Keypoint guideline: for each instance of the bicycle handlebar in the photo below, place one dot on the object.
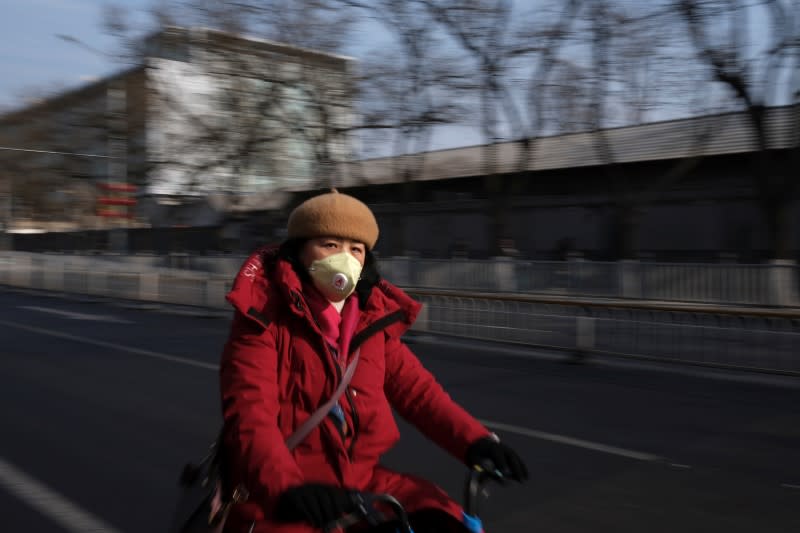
(473, 488)
(365, 510)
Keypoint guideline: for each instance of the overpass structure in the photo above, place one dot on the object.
(704, 136)
(690, 188)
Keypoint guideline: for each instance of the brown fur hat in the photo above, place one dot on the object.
(334, 214)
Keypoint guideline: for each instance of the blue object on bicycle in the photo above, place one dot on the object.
(473, 523)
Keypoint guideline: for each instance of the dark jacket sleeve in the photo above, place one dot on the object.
(420, 399)
(250, 404)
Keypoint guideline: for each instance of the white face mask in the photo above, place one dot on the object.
(336, 275)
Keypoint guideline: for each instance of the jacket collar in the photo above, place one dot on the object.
(387, 299)
(267, 285)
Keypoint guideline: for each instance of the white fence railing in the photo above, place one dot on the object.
(772, 284)
(107, 278)
(762, 341)
(766, 340)
(768, 284)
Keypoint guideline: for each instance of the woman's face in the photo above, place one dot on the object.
(322, 247)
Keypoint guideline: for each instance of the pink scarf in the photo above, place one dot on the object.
(338, 331)
(337, 328)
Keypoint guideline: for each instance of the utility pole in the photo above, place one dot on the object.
(8, 218)
(116, 102)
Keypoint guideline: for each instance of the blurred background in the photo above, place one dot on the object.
(606, 183)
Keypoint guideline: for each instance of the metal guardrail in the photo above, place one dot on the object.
(768, 284)
(773, 284)
(763, 339)
(96, 277)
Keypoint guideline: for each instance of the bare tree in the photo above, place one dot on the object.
(314, 24)
(556, 95)
(50, 153)
(258, 102)
(757, 75)
(266, 113)
(269, 115)
(409, 90)
(482, 29)
(630, 72)
(591, 65)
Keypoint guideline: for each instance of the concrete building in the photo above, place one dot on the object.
(204, 114)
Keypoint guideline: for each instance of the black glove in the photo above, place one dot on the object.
(314, 503)
(497, 458)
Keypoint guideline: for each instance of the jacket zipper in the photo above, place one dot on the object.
(331, 362)
(339, 379)
(337, 371)
(358, 339)
(356, 423)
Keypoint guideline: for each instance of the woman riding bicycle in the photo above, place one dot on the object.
(303, 312)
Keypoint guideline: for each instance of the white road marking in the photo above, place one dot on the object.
(75, 315)
(111, 345)
(571, 441)
(552, 437)
(49, 503)
(790, 486)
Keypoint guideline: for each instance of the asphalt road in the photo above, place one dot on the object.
(101, 404)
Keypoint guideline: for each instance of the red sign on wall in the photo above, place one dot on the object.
(117, 200)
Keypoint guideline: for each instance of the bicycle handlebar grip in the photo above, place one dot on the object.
(473, 486)
(364, 504)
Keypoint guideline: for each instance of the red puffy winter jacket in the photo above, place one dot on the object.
(276, 370)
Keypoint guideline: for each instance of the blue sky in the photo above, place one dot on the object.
(32, 57)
